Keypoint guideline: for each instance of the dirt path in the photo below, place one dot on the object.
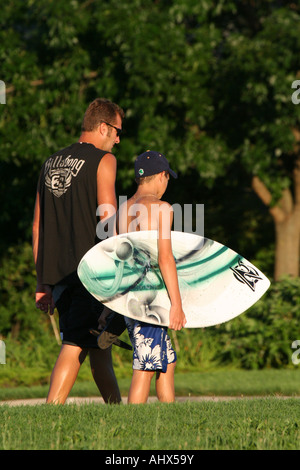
(84, 400)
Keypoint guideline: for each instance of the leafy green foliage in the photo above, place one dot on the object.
(206, 82)
(209, 83)
(18, 313)
(256, 74)
(259, 338)
(263, 336)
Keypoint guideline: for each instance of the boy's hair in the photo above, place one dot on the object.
(100, 110)
(147, 179)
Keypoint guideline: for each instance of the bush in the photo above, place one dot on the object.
(18, 314)
(260, 337)
(257, 339)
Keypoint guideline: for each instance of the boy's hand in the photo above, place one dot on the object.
(177, 318)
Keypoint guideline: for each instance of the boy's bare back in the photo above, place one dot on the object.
(143, 212)
(146, 211)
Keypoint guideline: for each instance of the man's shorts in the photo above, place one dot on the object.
(78, 312)
(152, 347)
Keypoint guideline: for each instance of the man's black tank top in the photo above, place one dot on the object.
(68, 204)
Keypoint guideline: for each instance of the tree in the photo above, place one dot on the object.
(263, 130)
(211, 83)
(206, 82)
(46, 69)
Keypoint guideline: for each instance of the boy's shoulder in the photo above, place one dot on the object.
(151, 199)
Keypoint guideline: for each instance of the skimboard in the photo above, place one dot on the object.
(216, 283)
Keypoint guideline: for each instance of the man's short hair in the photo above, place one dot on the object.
(100, 110)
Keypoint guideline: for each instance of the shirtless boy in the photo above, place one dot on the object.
(152, 172)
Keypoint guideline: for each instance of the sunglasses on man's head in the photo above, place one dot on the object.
(119, 131)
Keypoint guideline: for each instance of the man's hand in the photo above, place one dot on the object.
(43, 298)
(102, 319)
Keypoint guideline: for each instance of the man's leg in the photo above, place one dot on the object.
(65, 373)
(104, 375)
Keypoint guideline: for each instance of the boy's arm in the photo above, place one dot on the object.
(167, 267)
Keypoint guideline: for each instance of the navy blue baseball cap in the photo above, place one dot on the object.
(150, 163)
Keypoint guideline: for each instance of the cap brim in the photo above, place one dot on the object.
(172, 173)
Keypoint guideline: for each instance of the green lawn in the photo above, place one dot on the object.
(242, 424)
(268, 422)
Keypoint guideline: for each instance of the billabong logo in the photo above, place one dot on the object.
(59, 172)
(246, 274)
(58, 181)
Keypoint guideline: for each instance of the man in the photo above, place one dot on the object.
(72, 183)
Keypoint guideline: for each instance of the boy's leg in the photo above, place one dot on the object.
(104, 375)
(165, 388)
(65, 373)
(140, 386)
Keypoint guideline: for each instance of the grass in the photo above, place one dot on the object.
(267, 423)
(243, 424)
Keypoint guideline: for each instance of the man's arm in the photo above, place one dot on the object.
(35, 235)
(43, 293)
(106, 179)
(106, 193)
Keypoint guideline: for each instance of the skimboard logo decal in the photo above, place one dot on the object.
(246, 274)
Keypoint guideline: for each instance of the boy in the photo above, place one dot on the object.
(152, 172)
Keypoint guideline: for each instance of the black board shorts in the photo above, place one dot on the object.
(78, 312)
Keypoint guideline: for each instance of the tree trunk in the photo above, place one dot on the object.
(286, 216)
(287, 247)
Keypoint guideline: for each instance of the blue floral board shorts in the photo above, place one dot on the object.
(152, 347)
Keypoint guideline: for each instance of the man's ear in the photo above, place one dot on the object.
(103, 129)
